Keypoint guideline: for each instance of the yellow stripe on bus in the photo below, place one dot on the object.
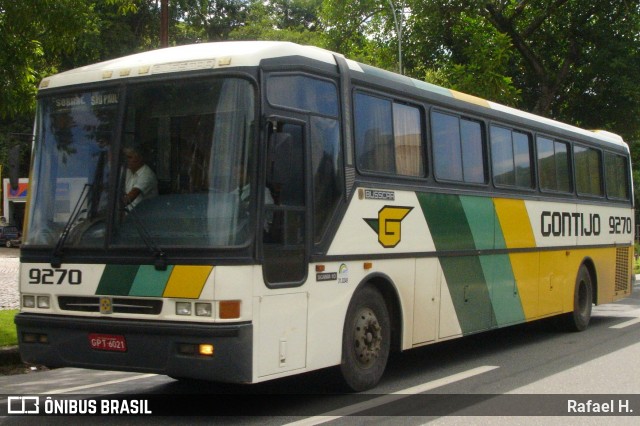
(471, 99)
(515, 224)
(187, 281)
(517, 232)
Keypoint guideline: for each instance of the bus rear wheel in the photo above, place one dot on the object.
(366, 340)
(578, 320)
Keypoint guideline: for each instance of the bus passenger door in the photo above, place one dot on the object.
(282, 325)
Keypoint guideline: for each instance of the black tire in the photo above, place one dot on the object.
(578, 320)
(366, 340)
(7, 244)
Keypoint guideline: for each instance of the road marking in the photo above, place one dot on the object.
(626, 323)
(96, 385)
(376, 402)
(633, 313)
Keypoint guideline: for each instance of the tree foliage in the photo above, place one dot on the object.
(284, 20)
(362, 30)
(33, 33)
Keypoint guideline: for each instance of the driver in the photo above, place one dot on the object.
(141, 182)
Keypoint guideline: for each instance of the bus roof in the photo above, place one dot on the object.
(250, 53)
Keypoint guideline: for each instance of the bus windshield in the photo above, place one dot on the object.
(170, 167)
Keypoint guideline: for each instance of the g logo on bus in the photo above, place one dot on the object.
(106, 306)
(387, 225)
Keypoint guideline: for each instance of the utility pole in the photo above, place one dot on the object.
(164, 23)
(398, 32)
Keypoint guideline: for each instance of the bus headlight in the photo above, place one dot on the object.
(28, 301)
(183, 308)
(204, 309)
(43, 302)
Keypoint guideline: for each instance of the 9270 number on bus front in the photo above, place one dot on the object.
(55, 276)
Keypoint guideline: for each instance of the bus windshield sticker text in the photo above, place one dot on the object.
(55, 276)
(95, 100)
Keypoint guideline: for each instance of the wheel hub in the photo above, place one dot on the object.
(368, 338)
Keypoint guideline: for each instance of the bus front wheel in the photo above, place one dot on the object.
(366, 340)
(578, 319)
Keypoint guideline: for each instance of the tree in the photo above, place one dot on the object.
(362, 30)
(32, 34)
(286, 20)
(572, 51)
(210, 20)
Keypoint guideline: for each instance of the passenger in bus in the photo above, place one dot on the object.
(141, 182)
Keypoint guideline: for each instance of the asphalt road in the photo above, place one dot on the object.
(500, 377)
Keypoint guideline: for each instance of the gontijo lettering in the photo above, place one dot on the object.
(569, 224)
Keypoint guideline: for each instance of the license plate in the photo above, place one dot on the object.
(107, 342)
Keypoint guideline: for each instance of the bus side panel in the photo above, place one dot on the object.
(558, 271)
(526, 269)
(281, 338)
(427, 297)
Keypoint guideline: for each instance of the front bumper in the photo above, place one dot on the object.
(151, 346)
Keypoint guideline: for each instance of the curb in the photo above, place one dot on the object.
(9, 355)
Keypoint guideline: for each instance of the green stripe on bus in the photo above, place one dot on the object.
(469, 292)
(150, 282)
(450, 228)
(483, 289)
(487, 234)
(481, 217)
(117, 280)
(505, 300)
(447, 221)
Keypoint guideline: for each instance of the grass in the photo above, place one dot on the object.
(8, 336)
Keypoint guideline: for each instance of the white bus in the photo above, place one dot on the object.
(310, 212)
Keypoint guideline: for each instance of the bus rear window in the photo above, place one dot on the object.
(617, 176)
(588, 163)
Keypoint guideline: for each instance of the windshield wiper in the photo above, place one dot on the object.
(161, 260)
(56, 256)
(98, 185)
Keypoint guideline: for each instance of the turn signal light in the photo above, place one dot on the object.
(229, 309)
